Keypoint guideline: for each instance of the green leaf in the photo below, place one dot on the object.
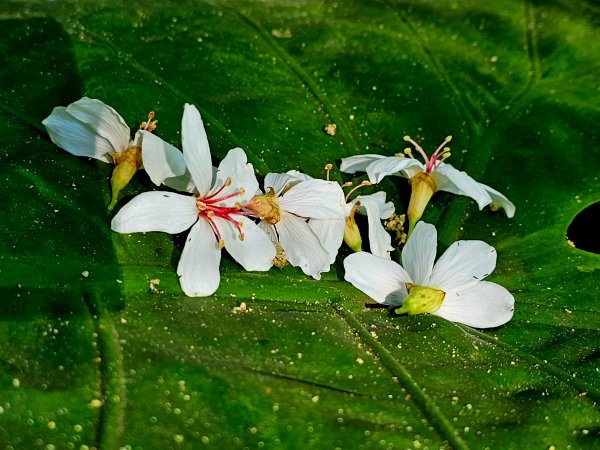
(100, 348)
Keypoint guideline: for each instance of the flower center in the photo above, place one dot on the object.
(421, 300)
(209, 209)
(266, 207)
(433, 161)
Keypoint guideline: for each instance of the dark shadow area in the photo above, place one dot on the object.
(584, 231)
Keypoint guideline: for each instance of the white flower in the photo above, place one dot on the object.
(453, 288)
(426, 178)
(331, 232)
(213, 213)
(88, 127)
(284, 210)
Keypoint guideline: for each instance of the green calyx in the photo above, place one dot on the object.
(421, 300)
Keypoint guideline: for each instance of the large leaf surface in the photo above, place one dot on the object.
(91, 355)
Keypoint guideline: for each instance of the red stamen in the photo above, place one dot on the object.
(218, 191)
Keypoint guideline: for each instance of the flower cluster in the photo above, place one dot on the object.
(295, 219)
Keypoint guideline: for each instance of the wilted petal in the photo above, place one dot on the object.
(463, 265)
(236, 167)
(392, 165)
(448, 179)
(317, 199)
(76, 137)
(301, 246)
(330, 233)
(500, 200)
(358, 163)
(484, 305)
(255, 252)
(156, 211)
(418, 255)
(380, 278)
(198, 267)
(380, 241)
(196, 151)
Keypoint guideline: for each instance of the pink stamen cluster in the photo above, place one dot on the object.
(149, 125)
(433, 161)
(209, 208)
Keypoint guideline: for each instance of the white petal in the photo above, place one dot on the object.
(76, 137)
(278, 181)
(386, 209)
(463, 265)
(418, 255)
(236, 167)
(380, 240)
(485, 305)
(392, 165)
(330, 233)
(198, 267)
(161, 159)
(380, 278)
(156, 211)
(316, 199)
(195, 149)
(299, 175)
(269, 230)
(255, 252)
(102, 118)
(448, 179)
(358, 163)
(500, 199)
(301, 246)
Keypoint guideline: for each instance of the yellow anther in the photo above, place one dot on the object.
(448, 138)
(328, 166)
(210, 214)
(366, 183)
(241, 236)
(242, 191)
(346, 184)
(406, 138)
(227, 181)
(238, 205)
(220, 244)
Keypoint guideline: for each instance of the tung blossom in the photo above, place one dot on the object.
(89, 127)
(214, 213)
(284, 210)
(331, 232)
(426, 178)
(452, 288)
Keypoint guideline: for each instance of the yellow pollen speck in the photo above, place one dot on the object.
(210, 214)
(220, 244)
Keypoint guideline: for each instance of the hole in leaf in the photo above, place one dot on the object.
(583, 231)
